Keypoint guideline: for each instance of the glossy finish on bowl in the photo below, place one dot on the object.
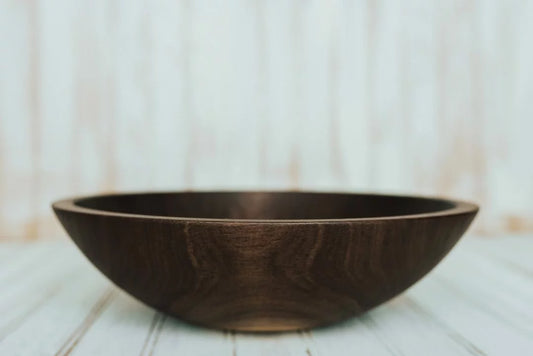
(263, 261)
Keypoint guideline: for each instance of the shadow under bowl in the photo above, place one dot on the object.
(263, 261)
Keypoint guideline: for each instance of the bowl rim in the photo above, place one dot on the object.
(459, 207)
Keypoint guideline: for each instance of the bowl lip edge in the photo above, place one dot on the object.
(460, 207)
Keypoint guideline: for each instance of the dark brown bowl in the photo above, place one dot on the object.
(263, 261)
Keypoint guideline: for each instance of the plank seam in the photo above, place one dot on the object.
(97, 309)
(480, 306)
(371, 324)
(454, 335)
(152, 337)
(17, 322)
(305, 335)
(157, 333)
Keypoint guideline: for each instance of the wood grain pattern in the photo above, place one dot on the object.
(436, 316)
(263, 261)
(416, 98)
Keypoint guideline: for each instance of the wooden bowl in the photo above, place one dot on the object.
(263, 261)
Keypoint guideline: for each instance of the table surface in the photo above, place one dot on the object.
(478, 301)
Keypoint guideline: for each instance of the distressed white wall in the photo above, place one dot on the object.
(415, 96)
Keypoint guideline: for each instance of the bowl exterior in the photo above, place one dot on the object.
(263, 276)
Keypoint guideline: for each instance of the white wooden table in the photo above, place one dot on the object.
(478, 301)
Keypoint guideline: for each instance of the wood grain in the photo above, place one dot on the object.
(263, 261)
(433, 317)
(416, 98)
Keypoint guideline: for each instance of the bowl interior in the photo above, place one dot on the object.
(265, 205)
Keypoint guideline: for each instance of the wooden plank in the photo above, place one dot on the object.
(316, 89)
(18, 106)
(470, 318)
(133, 65)
(424, 335)
(170, 94)
(173, 336)
(122, 329)
(350, 63)
(422, 97)
(28, 257)
(10, 251)
(473, 304)
(62, 319)
(34, 283)
(493, 285)
(456, 167)
(224, 109)
(348, 338)
(511, 250)
(505, 67)
(383, 84)
(285, 344)
(499, 278)
(59, 129)
(278, 100)
(78, 333)
(415, 116)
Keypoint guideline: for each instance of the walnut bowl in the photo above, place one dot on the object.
(263, 261)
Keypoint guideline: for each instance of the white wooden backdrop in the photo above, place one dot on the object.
(414, 96)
